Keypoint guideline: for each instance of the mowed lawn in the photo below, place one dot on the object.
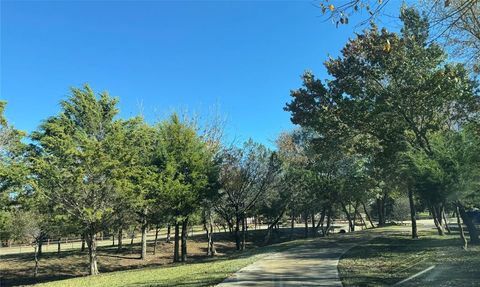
(69, 268)
(207, 273)
(385, 261)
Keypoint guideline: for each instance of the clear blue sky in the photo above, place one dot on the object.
(244, 57)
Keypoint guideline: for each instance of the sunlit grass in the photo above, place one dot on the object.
(205, 273)
(385, 261)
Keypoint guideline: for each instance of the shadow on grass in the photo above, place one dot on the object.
(74, 263)
(387, 260)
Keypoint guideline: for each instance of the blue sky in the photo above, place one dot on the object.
(243, 57)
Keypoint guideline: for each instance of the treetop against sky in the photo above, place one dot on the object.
(243, 57)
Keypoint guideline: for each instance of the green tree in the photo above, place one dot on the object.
(457, 169)
(139, 178)
(245, 175)
(396, 93)
(183, 163)
(77, 159)
(13, 167)
(14, 174)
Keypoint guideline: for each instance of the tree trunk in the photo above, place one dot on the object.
(176, 243)
(168, 233)
(213, 250)
(209, 240)
(460, 227)
(58, 245)
(381, 211)
(320, 221)
(143, 254)
(208, 226)
(82, 248)
(292, 224)
(368, 215)
(438, 224)
(306, 224)
(413, 214)
(444, 216)
(354, 215)
(184, 239)
(329, 222)
(35, 269)
(438, 211)
(40, 244)
(207, 232)
(313, 224)
(133, 237)
(384, 207)
(274, 223)
(361, 218)
(155, 242)
(120, 239)
(351, 224)
(237, 232)
(467, 220)
(92, 252)
(113, 239)
(244, 231)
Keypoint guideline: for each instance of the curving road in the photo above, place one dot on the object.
(312, 264)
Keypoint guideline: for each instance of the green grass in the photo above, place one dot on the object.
(206, 273)
(17, 269)
(385, 261)
(382, 261)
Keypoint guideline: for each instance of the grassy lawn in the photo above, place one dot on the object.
(206, 273)
(385, 261)
(158, 270)
(382, 261)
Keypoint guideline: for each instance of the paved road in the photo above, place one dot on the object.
(312, 264)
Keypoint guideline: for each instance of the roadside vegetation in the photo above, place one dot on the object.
(385, 261)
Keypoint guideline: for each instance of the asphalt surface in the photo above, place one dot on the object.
(311, 264)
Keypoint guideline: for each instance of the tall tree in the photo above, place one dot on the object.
(183, 163)
(14, 173)
(77, 159)
(245, 175)
(13, 167)
(457, 162)
(139, 180)
(390, 87)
